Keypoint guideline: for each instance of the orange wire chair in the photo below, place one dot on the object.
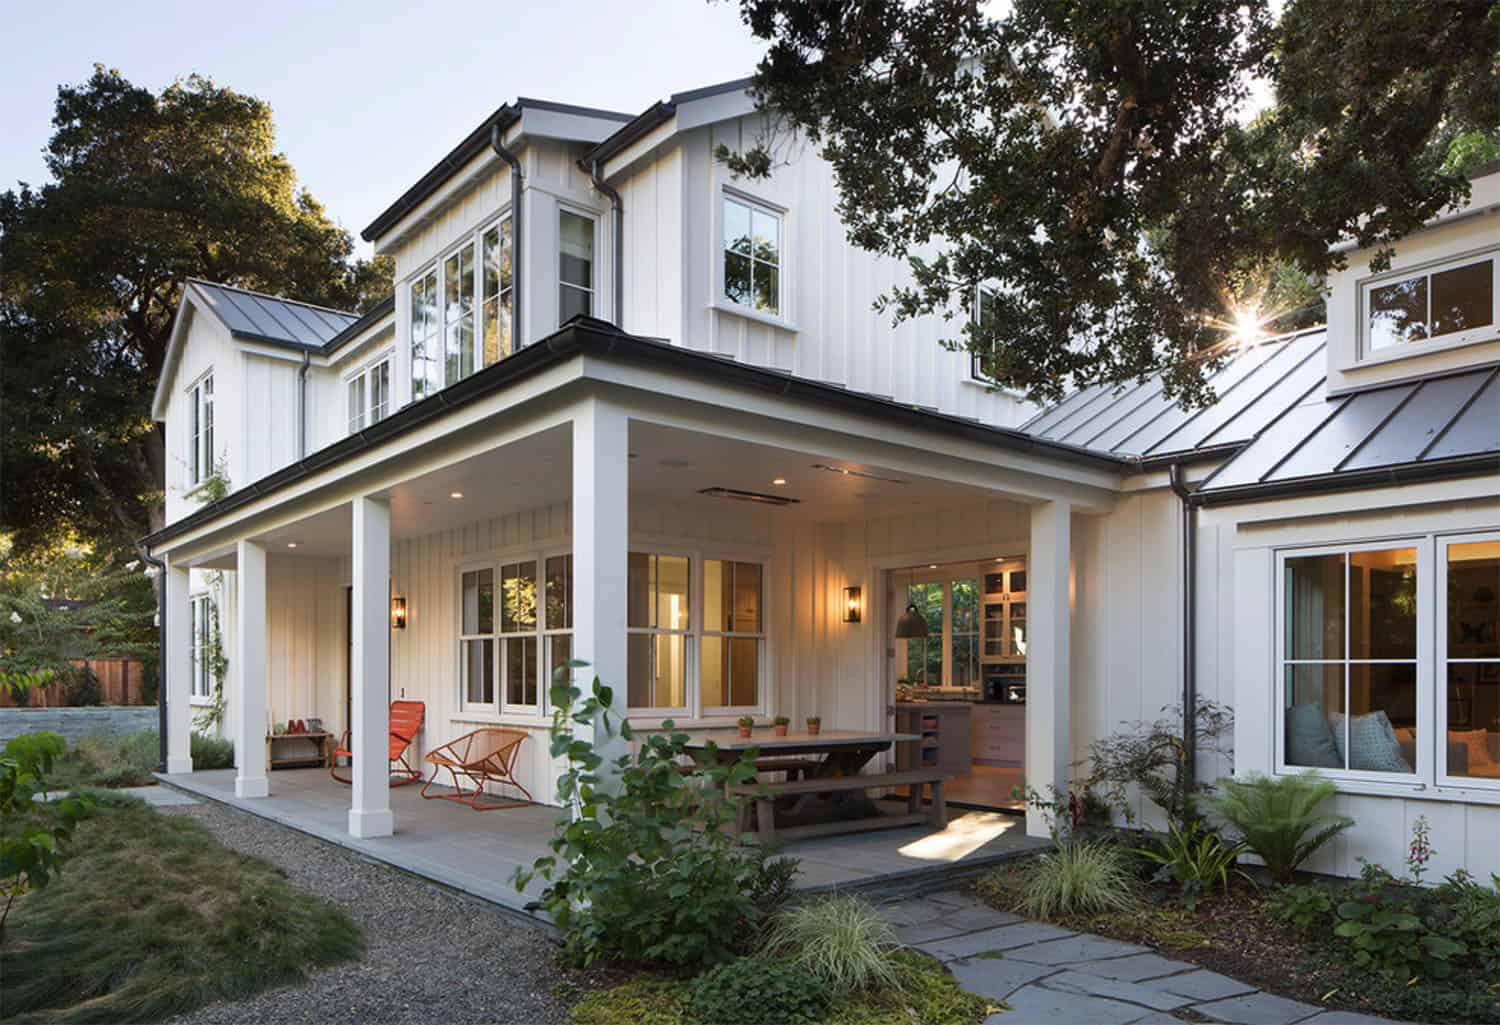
(406, 722)
(487, 755)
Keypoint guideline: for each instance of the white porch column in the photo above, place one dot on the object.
(1049, 622)
(177, 664)
(250, 676)
(370, 657)
(601, 542)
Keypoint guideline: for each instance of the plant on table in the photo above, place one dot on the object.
(746, 724)
(1279, 819)
(34, 839)
(840, 940)
(814, 724)
(1196, 858)
(780, 724)
(645, 867)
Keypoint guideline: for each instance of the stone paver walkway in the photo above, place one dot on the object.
(1051, 976)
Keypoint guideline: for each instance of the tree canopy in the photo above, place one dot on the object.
(1099, 166)
(146, 189)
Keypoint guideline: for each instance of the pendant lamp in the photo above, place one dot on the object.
(912, 623)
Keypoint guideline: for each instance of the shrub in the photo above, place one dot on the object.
(81, 687)
(1080, 877)
(752, 991)
(211, 752)
(646, 1000)
(839, 940)
(1153, 757)
(1195, 857)
(772, 884)
(1308, 907)
(1475, 917)
(925, 993)
(34, 840)
(1279, 818)
(645, 868)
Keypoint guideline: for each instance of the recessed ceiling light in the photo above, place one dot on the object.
(674, 464)
(932, 565)
(455, 494)
(847, 472)
(779, 480)
(291, 544)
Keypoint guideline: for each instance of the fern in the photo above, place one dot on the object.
(1279, 818)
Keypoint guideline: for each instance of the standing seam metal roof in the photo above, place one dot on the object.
(267, 318)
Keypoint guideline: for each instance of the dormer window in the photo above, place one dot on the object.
(1451, 303)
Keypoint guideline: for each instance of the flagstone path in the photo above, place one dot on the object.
(1048, 975)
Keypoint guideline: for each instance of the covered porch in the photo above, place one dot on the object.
(695, 542)
(478, 853)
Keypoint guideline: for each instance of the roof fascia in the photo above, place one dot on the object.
(174, 353)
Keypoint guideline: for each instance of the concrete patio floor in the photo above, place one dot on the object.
(477, 852)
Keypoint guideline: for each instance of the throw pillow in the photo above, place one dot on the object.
(1373, 746)
(1478, 743)
(1309, 741)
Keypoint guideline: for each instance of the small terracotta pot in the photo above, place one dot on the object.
(814, 728)
(744, 731)
(781, 729)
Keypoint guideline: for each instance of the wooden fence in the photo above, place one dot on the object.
(120, 683)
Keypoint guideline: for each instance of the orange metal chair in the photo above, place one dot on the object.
(406, 722)
(487, 755)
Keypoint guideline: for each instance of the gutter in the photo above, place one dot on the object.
(517, 183)
(161, 655)
(1189, 625)
(619, 255)
(302, 404)
(1347, 480)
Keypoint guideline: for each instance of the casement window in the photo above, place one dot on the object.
(202, 625)
(949, 656)
(510, 621)
(1388, 661)
(201, 439)
(369, 395)
(752, 255)
(461, 310)
(733, 636)
(982, 313)
(575, 265)
(1455, 302)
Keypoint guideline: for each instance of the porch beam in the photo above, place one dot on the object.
(1048, 684)
(177, 664)
(370, 658)
(601, 543)
(251, 678)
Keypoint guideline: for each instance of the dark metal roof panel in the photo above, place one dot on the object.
(1275, 400)
(1077, 431)
(1413, 427)
(1352, 422)
(1221, 420)
(1155, 437)
(1275, 443)
(1474, 429)
(267, 318)
(1044, 421)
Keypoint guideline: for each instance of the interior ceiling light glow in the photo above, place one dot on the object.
(847, 472)
(455, 494)
(291, 544)
(749, 496)
(779, 480)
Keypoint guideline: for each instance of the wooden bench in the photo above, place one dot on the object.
(764, 796)
(794, 768)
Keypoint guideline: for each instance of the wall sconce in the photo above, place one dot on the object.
(398, 613)
(854, 604)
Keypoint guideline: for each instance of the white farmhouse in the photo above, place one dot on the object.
(627, 409)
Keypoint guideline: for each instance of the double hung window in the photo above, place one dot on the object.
(752, 255)
(201, 441)
(202, 647)
(369, 395)
(575, 266)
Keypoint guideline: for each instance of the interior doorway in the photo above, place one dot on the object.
(957, 670)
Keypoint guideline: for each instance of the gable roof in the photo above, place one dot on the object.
(257, 317)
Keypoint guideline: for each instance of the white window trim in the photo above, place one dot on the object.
(460, 664)
(203, 599)
(783, 319)
(196, 449)
(1440, 664)
(1366, 356)
(386, 356)
(593, 218)
(731, 711)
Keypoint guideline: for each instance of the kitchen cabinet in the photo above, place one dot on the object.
(997, 735)
(944, 727)
(1004, 617)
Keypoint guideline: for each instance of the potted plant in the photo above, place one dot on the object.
(744, 722)
(781, 722)
(814, 725)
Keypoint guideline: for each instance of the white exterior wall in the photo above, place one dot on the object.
(268, 412)
(207, 347)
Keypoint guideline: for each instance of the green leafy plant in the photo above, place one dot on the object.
(781, 720)
(212, 716)
(1195, 857)
(773, 883)
(1382, 921)
(101, 760)
(210, 752)
(1308, 907)
(645, 866)
(840, 940)
(815, 720)
(33, 839)
(753, 991)
(745, 721)
(1080, 877)
(1153, 758)
(1279, 818)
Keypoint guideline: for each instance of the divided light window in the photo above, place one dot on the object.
(733, 631)
(202, 632)
(201, 442)
(1469, 660)
(752, 256)
(509, 622)
(475, 280)
(369, 394)
(1447, 303)
(575, 266)
(658, 622)
(981, 367)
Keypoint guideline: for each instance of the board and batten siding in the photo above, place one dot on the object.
(207, 346)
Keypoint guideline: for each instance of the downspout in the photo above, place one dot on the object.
(161, 656)
(516, 263)
(1189, 632)
(302, 405)
(619, 258)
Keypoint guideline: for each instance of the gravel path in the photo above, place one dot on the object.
(431, 954)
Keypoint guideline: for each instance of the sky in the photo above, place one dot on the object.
(368, 96)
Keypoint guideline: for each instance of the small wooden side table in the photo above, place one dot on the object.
(302, 759)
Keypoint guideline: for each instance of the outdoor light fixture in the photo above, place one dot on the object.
(398, 613)
(912, 623)
(854, 604)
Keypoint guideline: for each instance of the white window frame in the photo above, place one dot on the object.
(433, 338)
(456, 254)
(464, 705)
(703, 631)
(721, 296)
(200, 620)
(1426, 743)
(369, 412)
(436, 268)
(690, 695)
(200, 453)
(592, 293)
(1435, 343)
(550, 631)
(1440, 667)
(505, 637)
(505, 296)
(976, 373)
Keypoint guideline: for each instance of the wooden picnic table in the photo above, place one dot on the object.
(842, 752)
